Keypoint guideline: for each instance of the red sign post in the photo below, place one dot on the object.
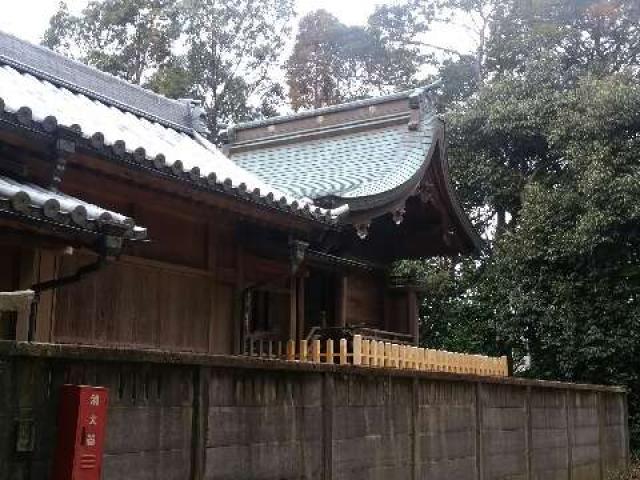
(82, 420)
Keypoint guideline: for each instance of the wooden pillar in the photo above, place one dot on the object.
(47, 270)
(238, 304)
(293, 308)
(528, 445)
(212, 266)
(342, 300)
(478, 430)
(300, 309)
(600, 407)
(569, 402)
(28, 277)
(416, 423)
(328, 399)
(200, 422)
(414, 316)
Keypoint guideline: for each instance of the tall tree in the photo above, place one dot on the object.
(233, 48)
(314, 70)
(127, 38)
(542, 150)
(332, 63)
(222, 52)
(566, 280)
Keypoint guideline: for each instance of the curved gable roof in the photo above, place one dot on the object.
(370, 156)
(47, 92)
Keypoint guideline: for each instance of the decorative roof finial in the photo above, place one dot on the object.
(362, 230)
(398, 216)
(197, 116)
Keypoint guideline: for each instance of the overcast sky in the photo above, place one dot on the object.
(28, 19)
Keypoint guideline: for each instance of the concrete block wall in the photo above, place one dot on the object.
(549, 437)
(446, 431)
(371, 423)
(263, 426)
(193, 417)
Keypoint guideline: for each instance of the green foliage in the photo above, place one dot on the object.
(221, 52)
(332, 63)
(544, 146)
(232, 49)
(570, 270)
(453, 314)
(631, 473)
(127, 38)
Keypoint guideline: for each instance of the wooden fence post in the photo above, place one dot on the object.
(357, 349)
(200, 422)
(329, 354)
(291, 350)
(373, 352)
(343, 352)
(366, 359)
(315, 351)
(395, 355)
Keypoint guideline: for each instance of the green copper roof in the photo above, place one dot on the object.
(375, 150)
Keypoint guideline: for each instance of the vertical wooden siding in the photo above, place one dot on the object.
(149, 306)
(365, 301)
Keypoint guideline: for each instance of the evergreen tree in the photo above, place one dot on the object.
(221, 52)
(127, 38)
(332, 63)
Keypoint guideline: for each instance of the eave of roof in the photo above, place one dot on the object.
(26, 108)
(407, 94)
(31, 202)
(158, 166)
(93, 83)
(358, 141)
(352, 155)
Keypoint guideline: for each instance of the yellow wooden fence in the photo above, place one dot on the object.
(371, 353)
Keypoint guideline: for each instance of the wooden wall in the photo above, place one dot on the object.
(9, 280)
(365, 300)
(181, 290)
(175, 292)
(143, 304)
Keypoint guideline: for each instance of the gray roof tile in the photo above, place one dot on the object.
(92, 83)
(33, 201)
(39, 85)
(349, 165)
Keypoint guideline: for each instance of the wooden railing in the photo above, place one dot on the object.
(371, 353)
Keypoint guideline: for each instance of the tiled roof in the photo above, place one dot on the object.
(29, 200)
(372, 152)
(32, 91)
(92, 83)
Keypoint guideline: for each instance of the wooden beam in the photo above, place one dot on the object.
(293, 310)
(47, 270)
(301, 318)
(414, 316)
(342, 301)
(28, 276)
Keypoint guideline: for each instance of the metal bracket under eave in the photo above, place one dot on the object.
(362, 230)
(414, 121)
(398, 215)
(427, 192)
(63, 150)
